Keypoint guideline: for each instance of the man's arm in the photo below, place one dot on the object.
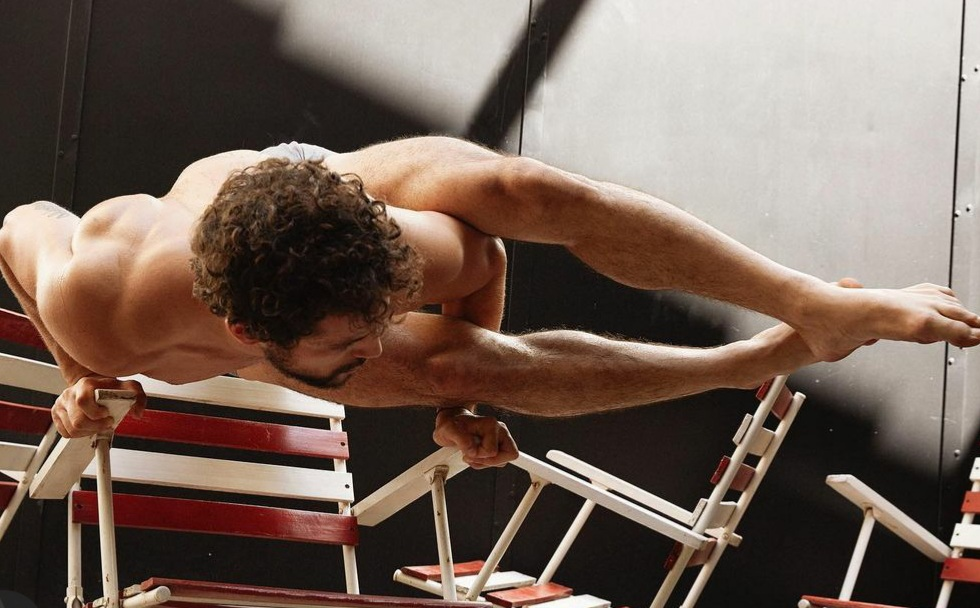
(642, 241)
(35, 249)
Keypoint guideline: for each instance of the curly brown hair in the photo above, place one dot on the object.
(285, 244)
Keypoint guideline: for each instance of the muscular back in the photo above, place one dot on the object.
(113, 288)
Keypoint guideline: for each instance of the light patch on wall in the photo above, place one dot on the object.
(434, 61)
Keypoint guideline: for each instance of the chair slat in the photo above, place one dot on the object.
(15, 456)
(246, 394)
(783, 400)
(184, 590)
(971, 503)
(242, 434)
(698, 558)
(762, 441)
(966, 536)
(7, 489)
(975, 471)
(741, 479)
(829, 602)
(211, 517)
(18, 328)
(961, 569)
(434, 573)
(21, 418)
(528, 596)
(227, 476)
(578, 601)
(31, 375)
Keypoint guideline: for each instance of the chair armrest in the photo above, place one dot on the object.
(629, 510)
(70, 457)
(406, 488)
(597, 475)
(890, 516)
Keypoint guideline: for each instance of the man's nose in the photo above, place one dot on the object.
(368, 348)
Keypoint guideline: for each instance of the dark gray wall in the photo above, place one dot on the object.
(808, 132)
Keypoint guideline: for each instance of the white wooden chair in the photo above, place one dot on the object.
(20, 460)
(197, 509)
(701, 534)
(956, 568)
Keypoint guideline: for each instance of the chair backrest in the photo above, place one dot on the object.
(159, 456)
(966, 537)
(221, 422)
(27, 431)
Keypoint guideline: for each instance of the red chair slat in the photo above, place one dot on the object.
(210, 517)
(7, 489)
(971, 503)
(528, 596)
(827, 602)
(17, 328)
(434, 573)
(698, 558)
(783, 401)
(242, 434)
(961, 570)
(230, 594)
(742, 478)
(24, 418)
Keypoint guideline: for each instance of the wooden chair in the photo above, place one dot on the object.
(701, 534)
(197, 509)
(20, 460)
(956, 568)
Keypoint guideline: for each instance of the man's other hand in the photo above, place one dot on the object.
(483, 440)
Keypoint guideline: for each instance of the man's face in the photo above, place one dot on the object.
(329, 356)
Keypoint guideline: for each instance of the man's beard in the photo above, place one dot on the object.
(279, 358)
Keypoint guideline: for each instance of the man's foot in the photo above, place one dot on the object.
(841, 318)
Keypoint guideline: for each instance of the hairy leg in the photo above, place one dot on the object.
(643, 241)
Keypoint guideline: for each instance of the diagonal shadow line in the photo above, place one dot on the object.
(549, 22)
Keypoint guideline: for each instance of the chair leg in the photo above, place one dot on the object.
(857, 558)
(506, 537)
(107, 527)
(566, 542)
(74, 596)
(437, 481)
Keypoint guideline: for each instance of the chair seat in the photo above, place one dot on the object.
(527, 596)
(228, 595)
(827, 602)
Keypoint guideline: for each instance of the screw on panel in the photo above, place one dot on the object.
(951, 361)
(956, 453)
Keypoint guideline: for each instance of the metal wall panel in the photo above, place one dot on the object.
(962, 416)
(823, 135)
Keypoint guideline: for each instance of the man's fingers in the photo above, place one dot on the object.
(140, 405)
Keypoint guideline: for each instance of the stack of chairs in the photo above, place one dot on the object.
(701, 534)
(956, 567)
(203, 482)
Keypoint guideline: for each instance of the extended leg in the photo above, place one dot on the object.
(645, 242)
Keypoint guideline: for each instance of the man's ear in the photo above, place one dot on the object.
(238, 331)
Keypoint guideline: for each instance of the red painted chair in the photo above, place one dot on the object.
(956, 568)
(701, 535)
(20, 460)
(197, 508)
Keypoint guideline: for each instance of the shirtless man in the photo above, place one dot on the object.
(114, 293)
